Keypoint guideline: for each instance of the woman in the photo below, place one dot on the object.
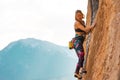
(80, 32)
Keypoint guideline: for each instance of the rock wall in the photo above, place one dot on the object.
(103, 62)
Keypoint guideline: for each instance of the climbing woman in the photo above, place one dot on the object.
(80, 31)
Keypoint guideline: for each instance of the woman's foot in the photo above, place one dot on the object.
(83, 71)
(77, 76)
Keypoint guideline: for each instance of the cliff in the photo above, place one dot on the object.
(103, 62)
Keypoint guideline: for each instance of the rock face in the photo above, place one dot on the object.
(103, 62)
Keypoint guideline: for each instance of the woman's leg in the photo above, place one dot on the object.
(80, 53)
(80, 61)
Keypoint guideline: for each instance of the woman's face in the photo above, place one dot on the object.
(79, 16)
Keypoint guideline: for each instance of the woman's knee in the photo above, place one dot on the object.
(80, 54)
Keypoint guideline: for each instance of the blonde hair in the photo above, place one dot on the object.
(78, 11)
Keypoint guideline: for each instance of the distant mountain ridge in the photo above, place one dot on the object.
(32, 59)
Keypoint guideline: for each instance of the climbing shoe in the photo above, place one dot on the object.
(83, 71)
(78, 76)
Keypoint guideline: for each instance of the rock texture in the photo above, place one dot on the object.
(103, 62)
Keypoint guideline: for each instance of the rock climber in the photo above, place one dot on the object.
(80, 31)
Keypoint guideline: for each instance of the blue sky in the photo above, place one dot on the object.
(50, 20)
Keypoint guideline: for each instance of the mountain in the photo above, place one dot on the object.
(32, 59)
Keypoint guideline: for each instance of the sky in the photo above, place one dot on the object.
(49, 20)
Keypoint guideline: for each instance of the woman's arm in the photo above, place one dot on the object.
(87, 28)
(80, 26)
